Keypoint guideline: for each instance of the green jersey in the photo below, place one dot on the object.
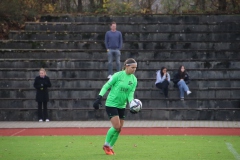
(122, 87)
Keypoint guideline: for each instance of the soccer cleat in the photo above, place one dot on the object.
(40, 120)
(47, 120)
(189, 92)
(107, 150)
(112, 151)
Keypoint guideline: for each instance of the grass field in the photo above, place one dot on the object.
(126, 148)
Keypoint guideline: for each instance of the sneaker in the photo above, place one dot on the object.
(40, 120)
(112, 151)
(47, 120)
(109, 76)
(182, 99)
(107, 150)
(189, 92)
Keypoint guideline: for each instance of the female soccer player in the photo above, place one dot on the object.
(41, 84)
(123, 85)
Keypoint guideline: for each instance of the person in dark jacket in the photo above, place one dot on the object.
(180, 80)
(41, 84)
(162, 80)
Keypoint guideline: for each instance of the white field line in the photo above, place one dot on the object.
(18, 132)
(233, 151)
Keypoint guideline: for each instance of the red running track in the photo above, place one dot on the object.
(125, 131)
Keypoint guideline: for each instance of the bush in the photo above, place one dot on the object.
(13, 13)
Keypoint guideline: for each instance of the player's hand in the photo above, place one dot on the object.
(133, 112)
(97, 103)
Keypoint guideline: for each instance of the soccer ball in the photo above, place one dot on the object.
(135, 105)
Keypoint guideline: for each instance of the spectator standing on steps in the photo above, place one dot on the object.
(162, 80)
(41, 84)
(113, 43)
(180, 80)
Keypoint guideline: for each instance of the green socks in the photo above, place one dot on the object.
(112, 136)
(114, 139)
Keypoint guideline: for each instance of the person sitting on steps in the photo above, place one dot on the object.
(162, 80)
(180, 80)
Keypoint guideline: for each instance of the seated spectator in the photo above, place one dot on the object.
(41, 84)
(180, 80)
(162, 80)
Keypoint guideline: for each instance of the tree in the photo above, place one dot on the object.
(80, 6)
(202, 4)
(68, 5)
(92, 4)
(222, 5)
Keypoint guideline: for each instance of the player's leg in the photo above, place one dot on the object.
(121, 113)
(116, 127)
(114, 118)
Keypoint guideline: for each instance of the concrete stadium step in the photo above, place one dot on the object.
(142, 18)
(175, 36)
(132, 53)
(58, 73)
(96, 63)
(71, 103)
(104, 59)
(30, 114)
(93, 83)
(87, 45)
(131, 27)
(148, 93)
(137, 89)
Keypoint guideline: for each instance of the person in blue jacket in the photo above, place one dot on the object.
(113, 43)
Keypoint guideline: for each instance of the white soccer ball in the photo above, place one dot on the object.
(135, 105)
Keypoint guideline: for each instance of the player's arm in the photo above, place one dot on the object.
(109, 84)
(97, 103)
(131, 97)
(131, 94)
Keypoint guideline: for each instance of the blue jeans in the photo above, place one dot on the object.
(117, 54)
(182, 88)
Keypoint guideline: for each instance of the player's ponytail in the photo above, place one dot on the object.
(128, 62)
